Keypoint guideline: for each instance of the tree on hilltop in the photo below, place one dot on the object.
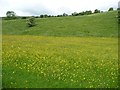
(97, 11)
(11, 15)
(110, 9)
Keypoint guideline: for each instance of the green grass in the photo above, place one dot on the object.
(64, 52)
(38, 61)
(104, 24)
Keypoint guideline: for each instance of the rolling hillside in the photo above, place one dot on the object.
(102, 24)
(61, 52)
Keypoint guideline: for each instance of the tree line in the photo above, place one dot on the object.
(12, 14)
(31, 20)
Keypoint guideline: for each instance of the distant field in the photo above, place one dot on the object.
(98, 25)
(64, 52)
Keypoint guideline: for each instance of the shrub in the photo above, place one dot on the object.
(97, 11)
(119, 16)
(23, 17)
(110, 9)
(75, 14)
(31, 22)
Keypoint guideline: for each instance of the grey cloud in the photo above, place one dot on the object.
(51, 7)
(37, 9)
(3, 3)
(119, 4)
(64, 10)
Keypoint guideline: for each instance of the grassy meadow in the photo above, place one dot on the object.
(98, 25)
(61, 52)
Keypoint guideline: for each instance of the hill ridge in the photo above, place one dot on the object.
(100, 25)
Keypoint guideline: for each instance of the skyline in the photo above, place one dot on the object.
(53, 7)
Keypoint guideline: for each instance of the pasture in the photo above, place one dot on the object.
(67, 52)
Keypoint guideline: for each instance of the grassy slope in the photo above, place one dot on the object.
(45, 61)
(104, 24)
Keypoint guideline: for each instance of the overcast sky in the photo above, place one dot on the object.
(53, 7)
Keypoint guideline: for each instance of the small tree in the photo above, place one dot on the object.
(119, 16)
(110, 9)
(88, 12)
(31, 22)
(23, 17)
(75, 14)
(45, 15)
(82, 13)
(11, 15)
(97, 11)
(41, 16)
(64, 14)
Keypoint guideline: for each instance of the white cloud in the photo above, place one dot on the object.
(37, 7)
